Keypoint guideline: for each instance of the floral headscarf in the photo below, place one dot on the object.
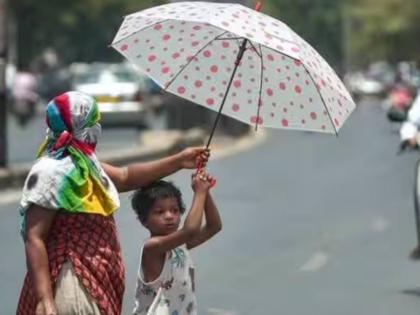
(68, 176)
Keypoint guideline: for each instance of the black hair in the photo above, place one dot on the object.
(143, 199)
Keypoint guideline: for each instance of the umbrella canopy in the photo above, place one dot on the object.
(255, 66)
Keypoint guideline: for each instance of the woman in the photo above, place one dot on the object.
(73, 253)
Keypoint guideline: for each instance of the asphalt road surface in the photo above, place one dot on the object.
(313, 224)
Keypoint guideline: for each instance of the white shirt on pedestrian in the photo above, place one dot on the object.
(410, 127)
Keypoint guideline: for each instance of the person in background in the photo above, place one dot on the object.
(409, 129)
(24, 96)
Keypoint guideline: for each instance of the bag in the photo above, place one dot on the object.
(159, 305)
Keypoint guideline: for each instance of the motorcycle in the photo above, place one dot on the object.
(399, 101)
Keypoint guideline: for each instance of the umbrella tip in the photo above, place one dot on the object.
(258, 6)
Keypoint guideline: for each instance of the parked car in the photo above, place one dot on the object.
(124, 95)
(361, 85)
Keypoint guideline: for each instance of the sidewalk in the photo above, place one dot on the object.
(152, 145)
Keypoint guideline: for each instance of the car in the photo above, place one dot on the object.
(360, 84)
(125, 96)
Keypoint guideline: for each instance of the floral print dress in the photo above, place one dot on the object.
(177, 282)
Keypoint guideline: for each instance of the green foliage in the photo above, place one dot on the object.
(79, 30)
(384, 29)
(318, 22)
(358, 31)
(355, 31)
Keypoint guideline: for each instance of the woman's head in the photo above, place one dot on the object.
(159, 207)
(72, 116)
(74, 112)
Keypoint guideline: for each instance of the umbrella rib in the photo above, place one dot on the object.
(288, 56)
(151, 25)
(279, 52)
(238, 38)
(261, 86)
(231, 38)
(255, 49)
(191, 59)
(322, 99)
(313, 81)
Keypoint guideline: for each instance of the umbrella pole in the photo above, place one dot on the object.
(219, 113)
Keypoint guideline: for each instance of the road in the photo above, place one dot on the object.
(313, 224)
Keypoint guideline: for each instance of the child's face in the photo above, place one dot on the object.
(164, 217)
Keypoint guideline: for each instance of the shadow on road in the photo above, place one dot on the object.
(415, 292)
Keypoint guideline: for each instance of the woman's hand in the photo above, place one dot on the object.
(194, 157)
(46, 307)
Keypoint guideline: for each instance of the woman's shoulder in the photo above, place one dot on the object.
(45, 169)
(48, 165)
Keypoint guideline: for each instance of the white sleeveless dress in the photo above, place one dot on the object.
(177, 285)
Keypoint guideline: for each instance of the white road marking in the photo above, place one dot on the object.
(380, 224)
(9, 196)
(316, 262)
(216, 311)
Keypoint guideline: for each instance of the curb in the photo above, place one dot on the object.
(154, 145)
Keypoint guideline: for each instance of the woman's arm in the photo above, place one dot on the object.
(213, 224)
(141, 174)
(138, 175)
(39, 222)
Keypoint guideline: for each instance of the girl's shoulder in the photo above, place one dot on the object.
(175, 254)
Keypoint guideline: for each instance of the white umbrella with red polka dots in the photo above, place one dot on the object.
(237, 61)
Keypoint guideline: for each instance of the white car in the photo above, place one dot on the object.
(360, 84)
(123, 94)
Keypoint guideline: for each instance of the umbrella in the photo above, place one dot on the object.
(237, 61)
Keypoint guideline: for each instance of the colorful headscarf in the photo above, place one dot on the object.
(68, 176)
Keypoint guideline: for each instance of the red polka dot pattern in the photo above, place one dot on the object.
(281, 82)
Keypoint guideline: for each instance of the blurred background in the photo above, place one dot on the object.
(46, 50)
(332, 218)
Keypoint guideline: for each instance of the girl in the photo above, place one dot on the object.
(165, 283)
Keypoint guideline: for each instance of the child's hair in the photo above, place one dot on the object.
(143, 199)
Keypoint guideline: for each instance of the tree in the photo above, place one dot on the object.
(389, 31)
(79, 30)
(318, 22)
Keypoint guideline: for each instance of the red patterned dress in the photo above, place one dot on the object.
(90, 243)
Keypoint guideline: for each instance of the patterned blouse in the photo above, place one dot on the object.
(177, 282)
